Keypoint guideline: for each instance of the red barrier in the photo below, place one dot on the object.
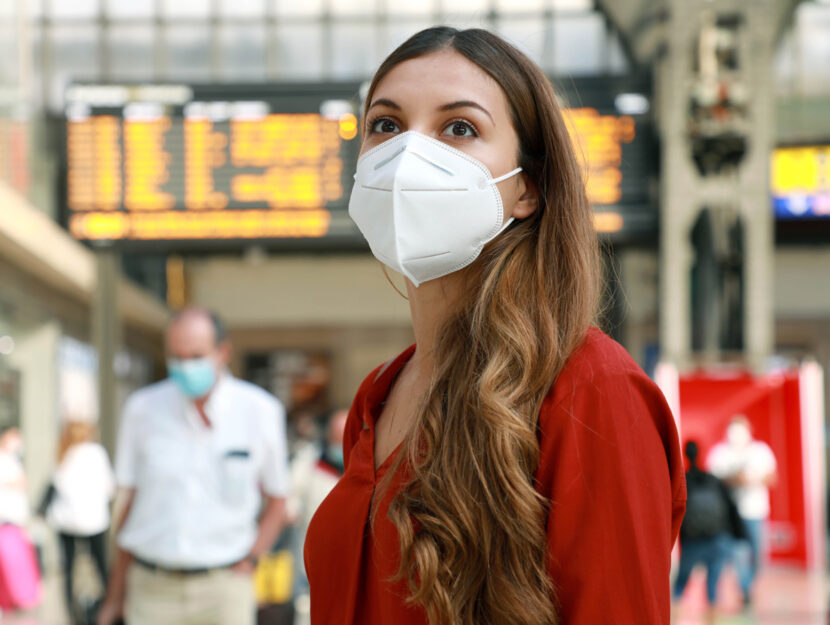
(785, 411)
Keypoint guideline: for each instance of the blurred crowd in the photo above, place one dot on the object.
(227, 526)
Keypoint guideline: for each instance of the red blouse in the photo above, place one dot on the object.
(610, 464)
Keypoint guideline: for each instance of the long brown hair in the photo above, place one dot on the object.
(74, 433)
(479, 553)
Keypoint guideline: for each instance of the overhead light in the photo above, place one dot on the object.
(6, 345)
(631, 104)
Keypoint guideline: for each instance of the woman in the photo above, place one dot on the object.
(514, 466)
(84, 485)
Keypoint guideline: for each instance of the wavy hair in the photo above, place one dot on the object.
(471, 524)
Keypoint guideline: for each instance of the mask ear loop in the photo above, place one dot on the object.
(389, 280)
(505, 176)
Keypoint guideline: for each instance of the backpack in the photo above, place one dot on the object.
(707, 510)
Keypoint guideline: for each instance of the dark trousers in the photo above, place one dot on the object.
(97, 545)
(712, 553)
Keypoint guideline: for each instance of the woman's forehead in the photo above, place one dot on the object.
(438, 78)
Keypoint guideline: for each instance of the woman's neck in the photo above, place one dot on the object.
(431, 305)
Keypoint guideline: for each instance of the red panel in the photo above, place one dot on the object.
(708, 401)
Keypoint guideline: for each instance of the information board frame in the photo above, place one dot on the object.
(632, 220)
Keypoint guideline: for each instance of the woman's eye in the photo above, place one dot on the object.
(385, 126)
(460, 129)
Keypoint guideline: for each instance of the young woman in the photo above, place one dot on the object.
(514, 466)
(84, 485)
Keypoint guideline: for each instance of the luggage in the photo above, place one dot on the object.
(280, 614)
(274, 580)
(19, 571)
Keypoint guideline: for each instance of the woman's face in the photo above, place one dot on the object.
(447, 97)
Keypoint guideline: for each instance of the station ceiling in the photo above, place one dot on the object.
(641, 24)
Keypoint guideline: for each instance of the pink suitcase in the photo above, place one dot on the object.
(19, 572)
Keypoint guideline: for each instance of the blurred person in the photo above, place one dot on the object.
(14, 503)
(19, 570)
(313, 481)
(197, 453)
(84, 485)
(710, 523)
(514, 466)
(749, 468)
(305, 444)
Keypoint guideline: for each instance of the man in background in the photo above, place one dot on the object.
(196, 454)
(709, 526)
(748, 467)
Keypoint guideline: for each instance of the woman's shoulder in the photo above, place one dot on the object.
(597, 358)
(602, 380)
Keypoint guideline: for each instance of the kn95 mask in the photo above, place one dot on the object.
(425, 208)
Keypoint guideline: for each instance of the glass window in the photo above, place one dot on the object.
(813, 22)
(785, 63)
(573, 5)
(397, 32)
(34, 8)
(119, 9)
(520, 6)
(290, 8)
(578, 44)
(353, 50)
(243, 53)
(73, 9)
(8, 55)
(187, 53)
(617, 59)
(299, 51)
(464, 6)
(36, 86)
(410, 7)
(242, 8)
(132, 55)
(527, 34)
(74, 56)
(353, 7)
(185, 8)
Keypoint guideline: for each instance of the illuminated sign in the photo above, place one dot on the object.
(209, 169)
(274, 163)
(800, 181)
(599, 140)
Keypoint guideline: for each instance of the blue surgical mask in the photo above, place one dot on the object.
(194, 376)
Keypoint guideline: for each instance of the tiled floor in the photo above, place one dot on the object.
(783, 597)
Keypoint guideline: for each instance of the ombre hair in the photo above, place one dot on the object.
(471, 524)
(75, 433)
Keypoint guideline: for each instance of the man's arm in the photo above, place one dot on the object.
(271, 522)
(112, 608)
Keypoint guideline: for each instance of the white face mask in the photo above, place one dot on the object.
(425, 208)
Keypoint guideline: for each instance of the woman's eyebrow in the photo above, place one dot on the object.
(384, 102)
(466, 103)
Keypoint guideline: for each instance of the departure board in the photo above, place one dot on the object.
(215, 164)
(800, 181)
(180, 163)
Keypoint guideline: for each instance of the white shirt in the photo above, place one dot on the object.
(84, 485)
(14, 506)
(197, 488)
(757, 462)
